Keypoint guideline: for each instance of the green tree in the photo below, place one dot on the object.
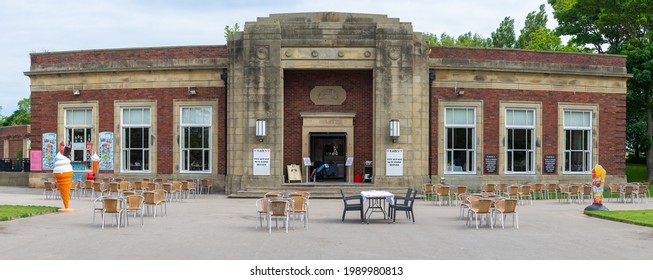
(21, 116)
(230, 31)
(504, 36)
(640, 100)
(543, 39)
(603, 23)
(466, 40)
(534, 22)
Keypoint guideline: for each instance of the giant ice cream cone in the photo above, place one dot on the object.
(96, 162)
(63, 172)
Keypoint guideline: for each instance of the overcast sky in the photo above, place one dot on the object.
(28, 26)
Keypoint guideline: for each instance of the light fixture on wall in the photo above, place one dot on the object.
(394, 130)
(192, 91)
(260, 130)
(461, 91)
(76, 92)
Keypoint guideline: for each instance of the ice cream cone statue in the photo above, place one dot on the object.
(95, 159)
(63, 172)
(598, 177)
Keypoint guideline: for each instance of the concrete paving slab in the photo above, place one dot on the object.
(214, 227)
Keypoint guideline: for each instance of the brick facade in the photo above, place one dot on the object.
(297, 86)
(264, 76)
(612, 112)
(44, 112)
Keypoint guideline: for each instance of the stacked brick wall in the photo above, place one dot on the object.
(528, 56)
(44, 113)
(297, 87)
(129, 54)
(612, 121)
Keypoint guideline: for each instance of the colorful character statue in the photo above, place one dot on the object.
(63, 172)
(598, 178)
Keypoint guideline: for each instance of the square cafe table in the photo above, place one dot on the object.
(376, 202)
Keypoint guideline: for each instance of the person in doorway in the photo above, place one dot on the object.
(319, 168)
(331, 170)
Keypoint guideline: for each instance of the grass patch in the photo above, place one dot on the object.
(10, 212)
(637, 217)
(636, 172)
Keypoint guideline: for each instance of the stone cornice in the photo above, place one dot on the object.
(527, 67)
(129, 66)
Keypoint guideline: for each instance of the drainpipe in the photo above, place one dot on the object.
(431, 79)
(224, 77)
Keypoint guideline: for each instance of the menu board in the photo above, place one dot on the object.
(491, 163)
(550, 163)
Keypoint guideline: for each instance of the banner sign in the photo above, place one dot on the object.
(48, 150)
(35, 160)
(105, 150)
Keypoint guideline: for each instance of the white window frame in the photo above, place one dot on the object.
(531, 153)
(587, 130)
(182, 140)
(123, 150)
(470, 162)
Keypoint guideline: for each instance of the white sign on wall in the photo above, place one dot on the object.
(394, 162)
(261, 162)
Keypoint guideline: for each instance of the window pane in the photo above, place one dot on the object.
(195, 137)
(135, 138)
(509, 162)
(460, 116)
(449, 116)
(520, 138)
(195, 159)
(207, 158)
(135, 160)
(460, 138)
(519, 161)
(206, 138)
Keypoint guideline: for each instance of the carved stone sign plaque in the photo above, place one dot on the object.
(328, 95)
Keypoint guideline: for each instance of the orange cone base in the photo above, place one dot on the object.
(66, 210)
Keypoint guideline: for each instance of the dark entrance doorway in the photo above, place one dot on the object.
(329, 148)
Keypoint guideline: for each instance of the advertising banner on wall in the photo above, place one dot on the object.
(105, 150)
(261, 162)
(35, 160)
(49, 150)
(394, 162)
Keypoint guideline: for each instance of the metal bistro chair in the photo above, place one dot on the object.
(349, 206)
(478, 208)
(113, 206)
(278, 209)
(506, 207)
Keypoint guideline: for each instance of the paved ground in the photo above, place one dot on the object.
(214, 227)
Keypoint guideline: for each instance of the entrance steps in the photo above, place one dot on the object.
(318, 189)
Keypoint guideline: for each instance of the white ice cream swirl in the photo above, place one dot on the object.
(62, 164)
(95, 157)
